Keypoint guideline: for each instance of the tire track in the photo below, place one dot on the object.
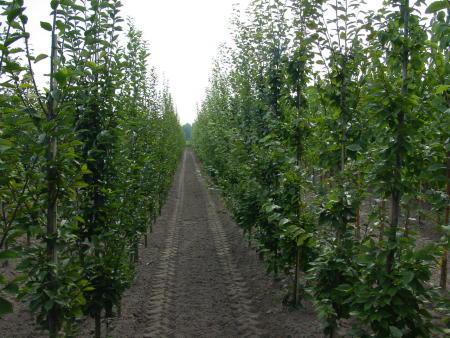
(237, 290)
(163, 291)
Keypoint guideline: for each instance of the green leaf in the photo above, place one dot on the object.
(395, 331)
(442, 89)
(11, 289)
(54, 4)
(13, 39)
(85, 170)
(61, 77)
(61, 26)
(8, 85)
(9, 254)
(437, 6)
(271, 207)
(5, 306)
(15, 235)
(446, 229)
(46, 26)
(283, 221)
(78, 219)
(435, 167)
(5, 145)
(48, 305)
(13, 12)
(407, 277)
(80, 184)
(40, 57)
(354, 147)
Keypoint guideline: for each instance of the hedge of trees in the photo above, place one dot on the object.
(327, 127)
(85, 162)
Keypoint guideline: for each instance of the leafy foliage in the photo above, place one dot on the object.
(85, 164)
(318, 110)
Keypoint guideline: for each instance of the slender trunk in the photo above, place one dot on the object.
(343, 123)
(136, 252)
(5, 262)
(299, 196)
(382, 219)
(52, 206)
(297, 277)
(358, 223)
(419, 205)
(52, 185)
(275, 263)
(4, 52)
(98, 325)
(396, 189)
(119, 310)
(333, 332)
(408, 214)
(444, 260)
(358, 210)
(444, 270)
(343, 150)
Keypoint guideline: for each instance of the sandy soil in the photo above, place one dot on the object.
(198, 278)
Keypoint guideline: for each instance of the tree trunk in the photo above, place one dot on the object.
(136, 252)
(98, 325)
(396, 189)
(299, 196)
(358, 223)
(444, 260)
(5, 262)
(358, 210)
(52, 186)
(382, 219)
(297, 277)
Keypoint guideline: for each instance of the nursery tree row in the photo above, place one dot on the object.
(85, 161)
(328, 128)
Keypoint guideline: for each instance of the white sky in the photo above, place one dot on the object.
(184, 37)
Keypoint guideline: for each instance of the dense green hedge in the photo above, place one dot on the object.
(315, 118)
(85, 164)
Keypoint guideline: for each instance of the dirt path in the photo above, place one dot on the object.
(198, 278)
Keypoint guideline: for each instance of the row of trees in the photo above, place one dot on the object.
(317, 116)
(85, 163)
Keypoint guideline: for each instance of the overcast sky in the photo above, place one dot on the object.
(184, 37)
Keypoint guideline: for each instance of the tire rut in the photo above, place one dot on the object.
(163, 291)
(198, 278)
(237, 289)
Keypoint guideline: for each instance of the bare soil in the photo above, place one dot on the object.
(198, 277)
